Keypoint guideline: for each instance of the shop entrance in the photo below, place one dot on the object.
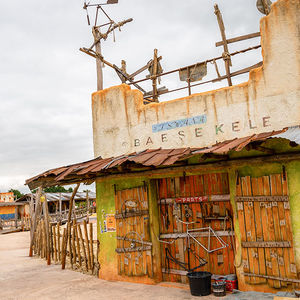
(196, 226)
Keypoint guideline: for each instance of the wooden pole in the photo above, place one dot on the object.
(31, 210)
(78, 245)
(87, 244)
(226, 55)
(87, 206)
(69, 224)
(83, 246)
(70, 243)
(63, 250)
(71, 202)
(35, 218)
(60, 216)
(99, 63)
(54, 243)
(91, 247)
(58, 241)
(74, 245)
(154, 79)
(46, 216)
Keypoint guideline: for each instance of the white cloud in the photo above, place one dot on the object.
(46, 83)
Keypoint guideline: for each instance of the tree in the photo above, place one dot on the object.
(17, 193)
(58, 189)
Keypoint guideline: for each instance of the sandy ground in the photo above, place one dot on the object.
(27, 278)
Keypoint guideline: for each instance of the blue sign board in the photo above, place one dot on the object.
(179, 123)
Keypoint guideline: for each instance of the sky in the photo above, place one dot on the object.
(46, 82)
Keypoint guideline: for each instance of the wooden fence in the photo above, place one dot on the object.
(11, 225)
(81, 251)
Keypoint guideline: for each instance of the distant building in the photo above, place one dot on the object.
(7, 197)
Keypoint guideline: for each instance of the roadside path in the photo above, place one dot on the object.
(24, 278)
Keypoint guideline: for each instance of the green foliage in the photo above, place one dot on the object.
(17, 193)
(58, 189)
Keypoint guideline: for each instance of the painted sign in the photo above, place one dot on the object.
(179, 123)
(110, 223)
(196, 199)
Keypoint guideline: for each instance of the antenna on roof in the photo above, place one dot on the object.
(108, 27)
(264, 6)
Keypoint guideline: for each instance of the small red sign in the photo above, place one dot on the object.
(197, 199)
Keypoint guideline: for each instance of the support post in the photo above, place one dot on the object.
(35, 218)
(87, 206)
(60, 206)
(226, 55)
(99, 63)
(154, 76)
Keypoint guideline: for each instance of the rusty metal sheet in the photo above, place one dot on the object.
(158, 157)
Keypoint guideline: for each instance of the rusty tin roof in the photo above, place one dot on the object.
(148, 158)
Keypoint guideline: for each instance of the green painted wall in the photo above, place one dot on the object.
(105, 199)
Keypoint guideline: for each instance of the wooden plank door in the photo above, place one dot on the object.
(133, 238)
(265, 225)
(201, 198)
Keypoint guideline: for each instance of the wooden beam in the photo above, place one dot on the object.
(211, 198)
(239, 38)
(226, 55)
(272, 277)
(262, 199)
(173, 271)
(272, 244)
(142, 69)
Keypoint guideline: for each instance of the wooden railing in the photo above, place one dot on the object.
(11, 225)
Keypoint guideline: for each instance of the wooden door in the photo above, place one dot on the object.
(133, 238)
(265, 225)
(201, 198)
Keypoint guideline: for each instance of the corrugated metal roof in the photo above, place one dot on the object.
(3, 204)
(53, 197)
(292, 134)
(155, 157)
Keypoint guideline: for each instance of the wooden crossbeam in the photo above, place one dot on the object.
(239, 38)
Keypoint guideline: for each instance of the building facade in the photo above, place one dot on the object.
(251, 203)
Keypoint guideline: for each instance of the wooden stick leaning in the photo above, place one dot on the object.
(35, 218)
(91, 247)
(78, 245)
(69, 220)
(54, 243)
(47, 231)
(74, 245)
(58, 241)
(63, 250)
(83, 247)
(87, 244)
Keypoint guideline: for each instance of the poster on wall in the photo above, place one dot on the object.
(110, 223)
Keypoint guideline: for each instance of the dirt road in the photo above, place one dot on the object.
(24, 278)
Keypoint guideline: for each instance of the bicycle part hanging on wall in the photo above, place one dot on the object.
(211, 233)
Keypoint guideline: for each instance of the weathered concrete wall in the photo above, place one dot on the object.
(269, 100)
(7, 212)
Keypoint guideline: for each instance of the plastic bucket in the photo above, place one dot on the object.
(200, 283)
(219, 289)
